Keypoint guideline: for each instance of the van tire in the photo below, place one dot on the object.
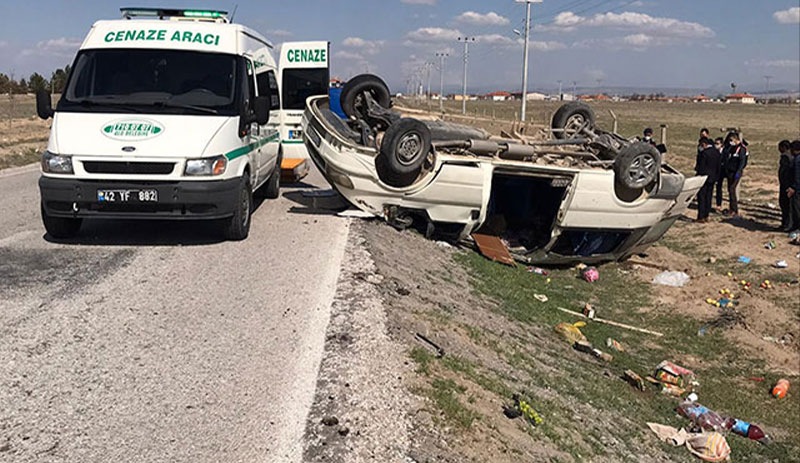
(352, 99)
(572, 116)
(637, 165)
(272, 188)
(237, 227)
(60, 227)
(404, 149)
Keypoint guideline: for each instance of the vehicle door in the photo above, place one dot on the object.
(267, 84)
(256, 134)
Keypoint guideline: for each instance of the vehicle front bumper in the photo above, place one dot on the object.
(179, 200)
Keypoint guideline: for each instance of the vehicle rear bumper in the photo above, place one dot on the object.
(180, 200)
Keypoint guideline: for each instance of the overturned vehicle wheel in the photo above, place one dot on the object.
(637, 165)
(571, 118)
(353, 97)
(404, 149)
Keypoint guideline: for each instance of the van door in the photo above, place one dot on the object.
(304, 71)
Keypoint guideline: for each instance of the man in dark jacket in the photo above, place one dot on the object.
(785, 179)
(708, 164)
(793, 192)
(735, 160)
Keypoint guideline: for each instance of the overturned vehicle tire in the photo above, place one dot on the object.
(571, 118)
(637, 166)
(353, 97)
(405, 147)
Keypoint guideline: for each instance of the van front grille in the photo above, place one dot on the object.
(133, 168)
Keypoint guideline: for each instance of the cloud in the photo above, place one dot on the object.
(790, 16)
(349, 55)
(489, 19)
(433, 35)
(419, 2)
(636, 42)
(631, 21)
(279, 33)
(3, 44)
(368, 47)
(778, 63)
(62, 47)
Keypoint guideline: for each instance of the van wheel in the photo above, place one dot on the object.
(637, 165)
(404, 149)
(60, 227)
(352, 97)
(569, 118)
(237, 227)
(272, 189)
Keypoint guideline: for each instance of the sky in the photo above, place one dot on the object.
(699, 44)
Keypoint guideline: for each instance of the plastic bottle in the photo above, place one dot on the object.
(750, 431)
(712, 421)
(781, 388)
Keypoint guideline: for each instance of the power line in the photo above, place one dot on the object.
(466, 41)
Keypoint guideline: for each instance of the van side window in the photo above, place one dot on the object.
(250, 84)
(268, 85)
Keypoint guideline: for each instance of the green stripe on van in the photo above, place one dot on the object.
(231, 155)
(292, 142)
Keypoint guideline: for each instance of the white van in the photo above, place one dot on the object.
(303, 71)
(169, 114)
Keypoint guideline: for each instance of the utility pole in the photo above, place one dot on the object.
(766, 97)
(525, 54)
(466, 41)
(574, 90)
(560, 94)
(442, 56)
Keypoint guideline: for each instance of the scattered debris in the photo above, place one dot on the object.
(766, 284)
(343, 430)
(444, 244)
(591, 274)
(781, 388)
(614, 344)
(330, 420)
(646, 264)
(538, 271)
(769, 245)
(704, 418)
(634, 379)
(571, 332)
(438, 349)
(675, 279)
(744, 260)
(588, 311)
(540, 297)
(356, 213)
(493, 248)
(521, 407)
(780, 264)
(586, 346)
(612, 323)
(711, 260)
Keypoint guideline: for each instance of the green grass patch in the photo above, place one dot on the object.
(445, 394)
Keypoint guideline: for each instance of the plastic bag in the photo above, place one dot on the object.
(571, 331)
(676, 279)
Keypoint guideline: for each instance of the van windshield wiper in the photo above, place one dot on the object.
(117, 104)
(169, 104)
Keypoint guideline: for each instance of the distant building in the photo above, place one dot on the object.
(744, 98)
(598, 97)
(701, 98)
(499, 96)
(535, 96)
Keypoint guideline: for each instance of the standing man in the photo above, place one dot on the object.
(785, 180)
(648, 136)
(719, 144)
(735, 161)
(708, 164)
(793, 192)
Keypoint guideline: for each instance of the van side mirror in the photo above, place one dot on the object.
(44, 107)
(261, 109)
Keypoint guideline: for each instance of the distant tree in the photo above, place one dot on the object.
(21, 87)
(5, 83)
(59, 79)
(37, 83)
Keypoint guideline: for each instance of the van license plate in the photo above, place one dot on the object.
(127, 196)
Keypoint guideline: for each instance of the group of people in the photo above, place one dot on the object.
(724, 159)
(789, 185)
(720, 160)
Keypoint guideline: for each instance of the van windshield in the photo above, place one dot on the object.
(152, 81)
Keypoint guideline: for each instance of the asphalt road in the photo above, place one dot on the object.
(154, 341)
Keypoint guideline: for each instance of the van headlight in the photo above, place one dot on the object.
(206, 166)
(56, 163)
